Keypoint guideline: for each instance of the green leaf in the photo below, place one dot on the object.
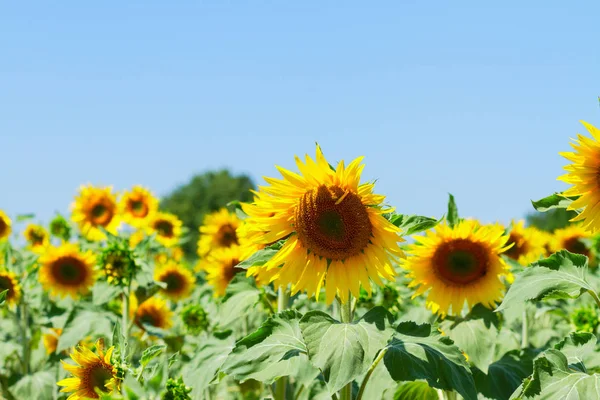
(477, 340)
(25, 217)
(505, 375)
(344, 351)
(562, 275)
(202, 369)
(576, 347)
(411, 224)
(37, 386)
(3, 295)
(415, 391)
(102, 293)
(261, 257)
(151, 352)
(452, 215)
(552, 379)
(239, 301)
(420, 352)
(555, 200)
(80, 325)
(276, 349)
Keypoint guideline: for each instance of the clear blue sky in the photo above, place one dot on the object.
(475, 98)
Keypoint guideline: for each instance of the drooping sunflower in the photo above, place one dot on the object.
(458, 264)
(9, 281)
(220, 267)
(50, 339)
(334, 226)
(179, 280)
(167, 228)
(154, 312)
(218, 231)
(583, 175)
(573, 238)
(5, 225)
(527, 243)
(37, 238)
(94, 208)
(65, 270)
(94, 372)
(138, 206)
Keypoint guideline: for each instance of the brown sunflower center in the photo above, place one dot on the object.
(101, 214)
(6, 284)
(460, 262)
(164, 228)
(138, 208)
(36, 238)
(69, 271)
(3, 227)
(226, 236)
(518, 249)
(230, 270)
(576, 245)
(175, 282)
(97, 377)
(150, 317)
(332, 223)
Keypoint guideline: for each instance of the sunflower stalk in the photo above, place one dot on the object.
(125, 324)
(25, 337)
(525, 331)
(283, 300)
(369, 373)
(347, 316)
(595, 297)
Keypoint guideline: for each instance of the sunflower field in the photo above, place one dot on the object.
(317, 289)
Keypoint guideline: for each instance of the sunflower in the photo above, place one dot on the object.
(138, 206)
(179, 280)
(167, 228)
(583, 175)
(5, 225)
(528, 243)
(93, 209)
(94, 372)
(65, 270)
(573, 238)
(220, 267)
(9, 281)
(37, 238)
(458, 264)
(334, 227)
(50, 339)
(218, 231)
(154, 312)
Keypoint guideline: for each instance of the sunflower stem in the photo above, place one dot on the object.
(595, 297)
(369, 373)
(346, 315)
(283, 300)
(24, 337)
(125, 324)
(525, 331)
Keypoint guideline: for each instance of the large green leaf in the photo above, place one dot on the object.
(562, 275)
(102, 293)
(505, 375)
(202, 369)
(83, 324)
(261, 256)
(276, 349)
(576, 347)
(477, 340)
(411, 224)
(552, 379)
(555, 200)
(239, 301)
(37, 386)
(420, 352)
(344, 351)
(415, 391)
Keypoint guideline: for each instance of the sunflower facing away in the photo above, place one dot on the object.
(154, 312)
(95, 208)
(37, 238)
(50, 339)
(179, 280)
(528, 243)
(167, 228)
(458, 264)
(218, 231)
(220, 267)
(583, 175)
(9, 281)
(138, 206)
(94, 372)
(573, 238)
(5, 225)
(65, 270)
(334, 226)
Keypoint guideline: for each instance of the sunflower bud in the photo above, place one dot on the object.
(176, 390)
(118, 264)
(585, 319)
(60, 228)
(194, 318)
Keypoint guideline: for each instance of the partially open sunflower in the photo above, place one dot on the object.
(458, 265)
(335, 231)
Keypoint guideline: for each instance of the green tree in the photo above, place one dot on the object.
(204, 194)
(551, 220)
